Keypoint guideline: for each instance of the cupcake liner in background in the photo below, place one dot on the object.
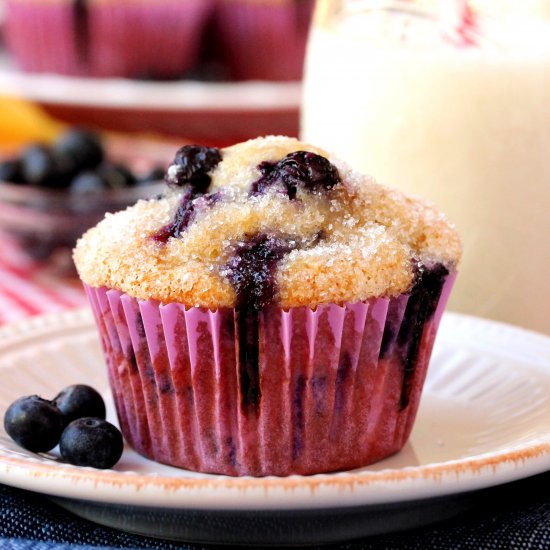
(338, 387)
(140, 38)
(264, 39)
(105, 38)
(41, 36)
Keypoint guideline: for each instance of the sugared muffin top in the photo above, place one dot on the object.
(269, 221)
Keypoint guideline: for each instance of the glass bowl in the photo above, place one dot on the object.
(45, 224)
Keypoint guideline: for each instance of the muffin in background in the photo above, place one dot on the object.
(106, 38)
(264, 39)
(272, 314)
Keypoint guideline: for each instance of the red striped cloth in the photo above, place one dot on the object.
(26, 289)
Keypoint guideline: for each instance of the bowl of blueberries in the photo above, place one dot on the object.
(51, 193)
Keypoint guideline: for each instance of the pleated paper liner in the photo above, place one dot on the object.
(337, 387)
(264, 39)
(106, 38)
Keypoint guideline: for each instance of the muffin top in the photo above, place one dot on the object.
(269, 221)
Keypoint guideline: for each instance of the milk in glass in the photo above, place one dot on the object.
(452, 104)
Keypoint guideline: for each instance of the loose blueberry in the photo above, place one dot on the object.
(191, 166)
(10, 171)
(34, 423)
(87, 183)
(91, 442)
(304, 169)
(81, 148)
(39, 166)
(78, 401)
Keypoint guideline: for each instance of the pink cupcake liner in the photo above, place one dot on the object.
(108, 39)
(41, 36)
(264, 41)
(151, 39)
(338, 388)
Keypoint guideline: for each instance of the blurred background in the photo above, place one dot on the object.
(449, 100)
(96, 97)
(446, 99)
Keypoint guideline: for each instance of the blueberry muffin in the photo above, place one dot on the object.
(272, 314)
(106, 38)
(264, 39)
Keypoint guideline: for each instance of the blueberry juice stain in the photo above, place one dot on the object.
(251, 270)
(405, 340)
(180, 221)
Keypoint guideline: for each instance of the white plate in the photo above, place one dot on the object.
(218, 113)
(131, 94)
(484, 421)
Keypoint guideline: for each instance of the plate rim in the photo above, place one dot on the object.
(423, 481)
(127, 94)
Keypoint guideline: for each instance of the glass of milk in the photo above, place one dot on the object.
(449, 100)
